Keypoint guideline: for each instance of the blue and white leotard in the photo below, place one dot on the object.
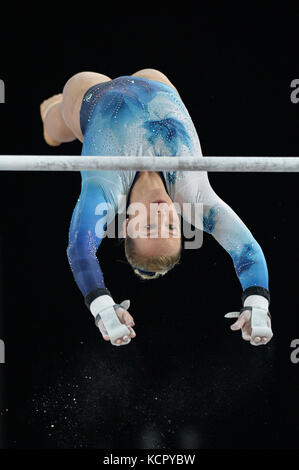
(142, 117)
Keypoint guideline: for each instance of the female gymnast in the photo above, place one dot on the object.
(143, 115)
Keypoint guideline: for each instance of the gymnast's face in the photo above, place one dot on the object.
(155, 227)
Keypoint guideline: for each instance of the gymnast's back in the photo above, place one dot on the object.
(136, 116)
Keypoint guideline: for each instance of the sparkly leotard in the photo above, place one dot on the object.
(142, 117)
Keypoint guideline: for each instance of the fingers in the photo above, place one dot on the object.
(132, 332)
(243, 324)
(245, 335)
(122, 342)
(128, 319)
(262, 340)
(125, 317)
(243, 319)
(239, 323)
(125, 339)
(259, 341)
(103, 330)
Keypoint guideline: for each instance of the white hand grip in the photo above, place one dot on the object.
(232, 315)
(259, 325)
(125, 304)
(114, 327)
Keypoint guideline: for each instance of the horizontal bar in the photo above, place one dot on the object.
(85, 163)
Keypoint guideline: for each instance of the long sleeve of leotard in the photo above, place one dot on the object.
(232, 234)
(215, 217)
(86, 232)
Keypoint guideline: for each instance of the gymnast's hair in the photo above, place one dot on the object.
(154, 266)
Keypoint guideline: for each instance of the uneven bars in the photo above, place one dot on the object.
(94, 163)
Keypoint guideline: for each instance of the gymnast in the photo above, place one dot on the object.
(143, 115)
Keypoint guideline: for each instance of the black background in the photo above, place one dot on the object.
(186, 380)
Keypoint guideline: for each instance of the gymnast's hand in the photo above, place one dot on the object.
(124, 317)
(244, 324)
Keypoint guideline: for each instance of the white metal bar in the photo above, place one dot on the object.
(84, 163)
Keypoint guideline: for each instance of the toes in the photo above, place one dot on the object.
(257, 340)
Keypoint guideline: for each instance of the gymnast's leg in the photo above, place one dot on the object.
(61, 113)
(154, 74)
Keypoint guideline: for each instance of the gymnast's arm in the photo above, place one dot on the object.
(250, 265)
(215, 217)
(87, 229)
(231, 233)
(211, 214)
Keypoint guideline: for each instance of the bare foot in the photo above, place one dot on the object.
(44, 108)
